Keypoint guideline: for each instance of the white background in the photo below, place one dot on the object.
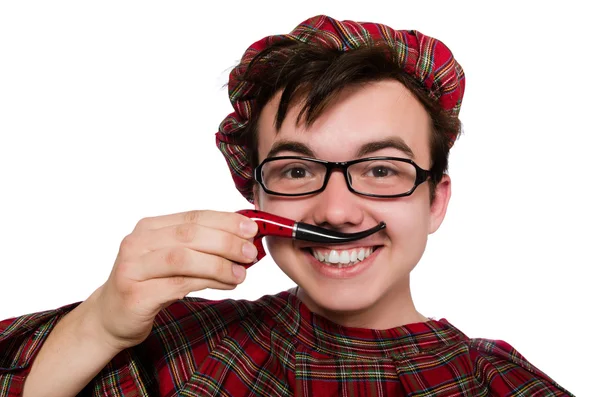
(108, 112)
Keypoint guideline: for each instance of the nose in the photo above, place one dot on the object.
(336, 206)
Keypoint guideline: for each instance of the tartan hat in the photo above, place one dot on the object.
(424, 58)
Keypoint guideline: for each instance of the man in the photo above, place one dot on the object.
(338, 124)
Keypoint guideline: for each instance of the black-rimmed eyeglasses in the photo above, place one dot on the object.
(372, 176)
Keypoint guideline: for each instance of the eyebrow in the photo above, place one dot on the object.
(290, 146)
(393, 142)
(368, 148)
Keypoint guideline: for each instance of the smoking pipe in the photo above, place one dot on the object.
(274, 225)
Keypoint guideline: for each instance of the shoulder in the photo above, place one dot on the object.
(499, 352)
(505, 371)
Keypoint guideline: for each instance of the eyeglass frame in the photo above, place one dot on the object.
(421, 176)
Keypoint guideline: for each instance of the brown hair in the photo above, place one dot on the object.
(316, 74)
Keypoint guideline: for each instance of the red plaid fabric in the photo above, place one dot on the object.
(276, 347)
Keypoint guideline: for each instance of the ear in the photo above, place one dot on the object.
(439, 205)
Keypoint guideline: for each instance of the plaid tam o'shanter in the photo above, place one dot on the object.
(276, 347)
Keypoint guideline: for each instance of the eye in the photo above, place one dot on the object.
(380, 171)
(295, 172)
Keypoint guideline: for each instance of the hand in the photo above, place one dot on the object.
(164, 259)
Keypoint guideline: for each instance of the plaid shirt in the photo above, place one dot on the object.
(276, 347)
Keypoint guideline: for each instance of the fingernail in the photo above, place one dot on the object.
(239, 271)
(249, 228)
(249, 250)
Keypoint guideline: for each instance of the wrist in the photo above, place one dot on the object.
(93, 328)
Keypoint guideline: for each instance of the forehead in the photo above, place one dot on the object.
(359, 115)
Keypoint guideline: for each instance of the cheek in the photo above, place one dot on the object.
(291, 208)
(407, 224)
(277, 246)
(283, 254)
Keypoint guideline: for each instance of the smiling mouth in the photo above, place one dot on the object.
(341, 258)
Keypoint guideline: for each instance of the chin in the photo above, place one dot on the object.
(347, 291)
(342, 300)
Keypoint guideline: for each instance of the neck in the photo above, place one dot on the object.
(394, 309)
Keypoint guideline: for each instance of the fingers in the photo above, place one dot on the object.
(200, 238)
(231, 222)
(181, 262)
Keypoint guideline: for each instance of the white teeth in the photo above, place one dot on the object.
(342, 257)
(334, 257)
(361, 254)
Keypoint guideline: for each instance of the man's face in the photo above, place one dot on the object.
(379, 111)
